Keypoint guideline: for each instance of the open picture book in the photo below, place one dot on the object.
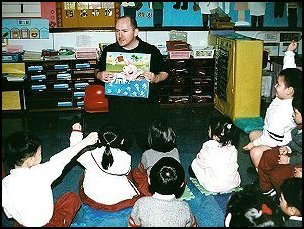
(128, 69)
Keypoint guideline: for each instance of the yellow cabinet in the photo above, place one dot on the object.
(12, 86)
(238, 75)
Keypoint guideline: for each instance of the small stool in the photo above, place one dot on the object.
(249, 124)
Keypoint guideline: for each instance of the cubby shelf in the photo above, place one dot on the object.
(179, 28)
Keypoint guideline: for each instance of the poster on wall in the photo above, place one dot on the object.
(48, 11)
(127, 69)
(27, 28)
(87, 14)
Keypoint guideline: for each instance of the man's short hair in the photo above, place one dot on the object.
(132, 21)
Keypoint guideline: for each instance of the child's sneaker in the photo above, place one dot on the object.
(271, 192)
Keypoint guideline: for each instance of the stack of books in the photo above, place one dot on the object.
(178, 49)
(50, 54)
(14, 77)
(86, 53)
(32, 55)
(220, 20)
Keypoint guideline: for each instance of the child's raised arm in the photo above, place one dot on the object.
(289, 56)
(76, 135)
(76, 127)
(91, 139)
(57, 162)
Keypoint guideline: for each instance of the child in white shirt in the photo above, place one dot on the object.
(278, 121)
(26, 192)
(105, 184)
(215, 166)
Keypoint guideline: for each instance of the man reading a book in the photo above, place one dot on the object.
(133, 113)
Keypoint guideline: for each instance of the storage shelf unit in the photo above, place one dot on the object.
(238, 75)
(190, 82)
(58, 84)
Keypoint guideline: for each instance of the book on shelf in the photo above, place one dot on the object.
(177, 46)
(15, 77)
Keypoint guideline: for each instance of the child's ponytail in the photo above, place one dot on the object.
(107, 158)
(224, 129)
(227, 134)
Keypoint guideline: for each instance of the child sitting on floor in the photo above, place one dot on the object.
(291, 201)
(280, 163)
(215, 166)
(26, 192)
(162, 142)
(278, 121)
(249, 208)
(105, 184)
(163, 209)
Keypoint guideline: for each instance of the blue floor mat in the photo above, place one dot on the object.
(222, 200)
(90, 217)
(208, 211)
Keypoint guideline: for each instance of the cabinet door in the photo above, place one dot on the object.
(11, 100)
(58, 84)
(190, 81)
(84, 69)
(202, 80)
(248, 78)
(177, 88)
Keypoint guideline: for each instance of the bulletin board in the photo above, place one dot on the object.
(101, 15)
(270, 14)
(25, 28)
(48, 11)
(87, 14)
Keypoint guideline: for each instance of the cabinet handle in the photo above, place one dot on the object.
(182, 70)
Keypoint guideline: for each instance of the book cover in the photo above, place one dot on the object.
(128, 69)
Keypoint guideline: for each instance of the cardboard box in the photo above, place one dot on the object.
(203, 52)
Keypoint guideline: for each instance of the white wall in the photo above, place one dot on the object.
(92, 39)
(158, 38)
(273, 37)
(33, 45)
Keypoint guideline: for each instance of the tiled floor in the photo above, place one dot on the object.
(190, 124)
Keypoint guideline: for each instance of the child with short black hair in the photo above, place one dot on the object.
(163, 209)
(278, 121)
(215, 166)
(249, 208)
(291, 201)
(105, 184)
(27, 193)
(162, 142)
